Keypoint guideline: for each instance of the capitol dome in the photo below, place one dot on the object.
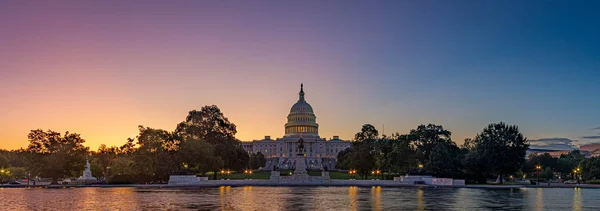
(301, 120)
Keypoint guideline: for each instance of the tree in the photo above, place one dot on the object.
(363, 154)
(445, 160)
(569, 162)
(590, 168)
(257, 160)
(367, 133)
(544, 160)
(4, 162)
(501, 148)
(362, 159)
(548, 173)
(102, 159)
(57, 156)
(402, 157)
(343, 158)
(209, 124)
(426, 137)
(196, 156)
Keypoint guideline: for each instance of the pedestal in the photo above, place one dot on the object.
(300, 165)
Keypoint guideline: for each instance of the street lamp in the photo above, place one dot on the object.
(228, 174)
(247, 173)
(537, 179)
(575, 175)
(377, 173)
(222, 174)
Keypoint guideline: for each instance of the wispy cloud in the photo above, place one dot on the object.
(591, 137)
(552, 144)
(596, 128)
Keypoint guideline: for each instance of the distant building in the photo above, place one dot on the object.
(319, 152)
(542, 151)
(592, 150)
(553, 153)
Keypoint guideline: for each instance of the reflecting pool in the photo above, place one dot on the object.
(299, 198)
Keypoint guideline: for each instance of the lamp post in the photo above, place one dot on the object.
(222, 174)
(248, 173)
(377, 174)
(1, 176)
(575, 175)
(228, 174)
(537, 178)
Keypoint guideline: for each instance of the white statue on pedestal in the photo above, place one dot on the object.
(87, 174)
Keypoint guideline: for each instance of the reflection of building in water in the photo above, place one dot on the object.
(301, 123)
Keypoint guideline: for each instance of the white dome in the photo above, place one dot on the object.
(301, 120)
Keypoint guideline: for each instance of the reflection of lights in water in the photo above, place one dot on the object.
(420, 201)
(353, 195)
(223, 195)
(577, 199)
(376, 197)
(247, 198)
(539, 202)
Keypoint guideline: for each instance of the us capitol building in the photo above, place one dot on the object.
(318, 152)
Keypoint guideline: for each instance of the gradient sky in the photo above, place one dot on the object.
(101, 68)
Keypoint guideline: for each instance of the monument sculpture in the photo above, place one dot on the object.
(300, 169)
(87, 175)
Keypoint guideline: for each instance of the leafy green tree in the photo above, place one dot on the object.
(102, 159)
(4, 162)
(209, 124)
(548, 173)
(569, 162)
(475, 167)
(426, 137)
(196, 156)
(544, 160)
(590, 168)
(343, 158)
(368, 133)
(59, 156)
(257, 160)
(445, 160)
(17, 172)
(402, 157)
(501, 148)
(362, 159)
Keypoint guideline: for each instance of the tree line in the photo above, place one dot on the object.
(204, 142)
(496, 152)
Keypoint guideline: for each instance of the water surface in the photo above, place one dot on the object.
(299, 198)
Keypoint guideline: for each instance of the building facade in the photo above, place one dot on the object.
(319, 153)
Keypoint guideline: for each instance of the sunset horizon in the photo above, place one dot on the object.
(101, 68)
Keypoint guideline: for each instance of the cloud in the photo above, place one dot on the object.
(590, 137)
(596, 128)
(552, 144)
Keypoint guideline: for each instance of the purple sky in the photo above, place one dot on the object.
(100, 68)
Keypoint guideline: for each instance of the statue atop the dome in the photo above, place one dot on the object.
(301, 146)
(301, 92)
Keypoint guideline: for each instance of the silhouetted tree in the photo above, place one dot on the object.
(501, 149)
(57, 156)
(209, 124)
(426, 137)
